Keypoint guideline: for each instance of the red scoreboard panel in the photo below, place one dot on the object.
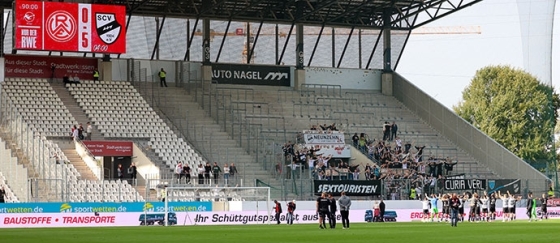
(76, 27)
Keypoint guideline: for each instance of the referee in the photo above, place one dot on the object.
(322, 209)
(344, 203)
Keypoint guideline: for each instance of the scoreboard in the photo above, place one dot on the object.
(75, 27)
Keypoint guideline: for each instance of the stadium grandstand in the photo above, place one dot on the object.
(271, 91)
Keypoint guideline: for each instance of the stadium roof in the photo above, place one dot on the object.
(405, 14)
(365, 14)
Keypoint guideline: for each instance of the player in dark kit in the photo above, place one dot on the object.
(544, 210)
(332, 211)
(492, 201)
(461, 207)
(446, 207)
(322, 209)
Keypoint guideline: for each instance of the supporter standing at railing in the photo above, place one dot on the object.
(132, 172)
(162, 75)
(355, 140)
(53, 69)
(216, 172)
(293, 170)
(232, 171)
(187, 173)
(95, 75)
(75, 133)
(81, 132)
(120, 172)
(449, 165)
(362, 143)
(394, 129)
(89, 130)
(207, 170)
(386, 131)
(226, 174)
(2, 194)
(311, 163)
(420, 150)
(201, 171)
(178, 172)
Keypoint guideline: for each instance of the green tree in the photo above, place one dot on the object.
(513, 108)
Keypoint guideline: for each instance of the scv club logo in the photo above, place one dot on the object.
(61, 26)
(108, 29)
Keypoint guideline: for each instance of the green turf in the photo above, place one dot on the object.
(495, 232)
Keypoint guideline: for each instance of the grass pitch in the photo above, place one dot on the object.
(494, 232)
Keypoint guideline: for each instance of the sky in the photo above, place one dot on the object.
(443, 65)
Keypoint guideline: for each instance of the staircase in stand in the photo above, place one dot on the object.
(32, 173)
(76, 111)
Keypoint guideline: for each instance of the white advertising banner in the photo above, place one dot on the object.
(45, 220)
(324, 138)
(337, 151)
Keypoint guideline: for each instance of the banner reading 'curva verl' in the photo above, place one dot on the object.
(76, 27)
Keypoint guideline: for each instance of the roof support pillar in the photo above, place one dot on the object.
(299, 46)
(223, 41)
(316, 44)
(206, 41)
(387, 41)
(374, 48)
(276, 43)
(333, 46)
(279, 61)
(159, 29)
(345, 47)
(251, 54)
(3, 32)
(387, 76)
(190, 39)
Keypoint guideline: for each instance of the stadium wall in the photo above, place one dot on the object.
(484, 149)
(346, 78)
(177, 71)
(2, 63)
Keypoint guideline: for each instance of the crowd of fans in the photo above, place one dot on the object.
(402, 165)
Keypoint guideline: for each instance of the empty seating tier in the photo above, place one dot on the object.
(119, 111)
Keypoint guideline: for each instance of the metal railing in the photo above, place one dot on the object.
(88, 158)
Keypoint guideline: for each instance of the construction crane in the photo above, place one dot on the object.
(312, 30)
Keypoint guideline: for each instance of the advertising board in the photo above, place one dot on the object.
(87, 207)
(76, 27)
(251, 74)
(23, 66)
(109, 148)
(23, 220)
